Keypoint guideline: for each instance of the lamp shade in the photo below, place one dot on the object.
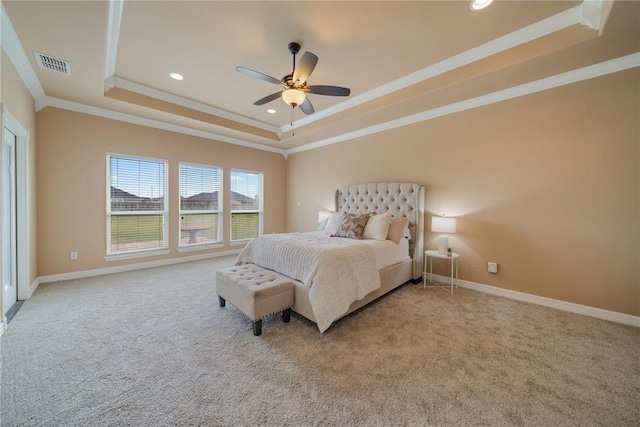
(441, 224)
(293, 96)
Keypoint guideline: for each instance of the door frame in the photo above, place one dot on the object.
(22, 204)
(9, 213)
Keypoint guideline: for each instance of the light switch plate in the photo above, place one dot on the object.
(492, 267)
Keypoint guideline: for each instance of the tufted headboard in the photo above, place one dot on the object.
(401, 199)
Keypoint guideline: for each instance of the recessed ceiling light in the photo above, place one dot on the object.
(176, 76)
(479, 4)
(271, 111)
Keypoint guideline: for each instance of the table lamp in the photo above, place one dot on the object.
(442, 224)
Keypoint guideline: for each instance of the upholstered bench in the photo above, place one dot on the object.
(255, 291)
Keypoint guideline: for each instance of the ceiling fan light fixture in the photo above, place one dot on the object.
(293, 96)
(479, 4)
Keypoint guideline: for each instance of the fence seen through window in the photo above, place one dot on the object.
(246, 204)
(136, 208)
(200, 204)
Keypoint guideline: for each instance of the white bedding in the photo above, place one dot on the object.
(338, 271)
(386, 252)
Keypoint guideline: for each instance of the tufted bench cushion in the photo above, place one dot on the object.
(255, 291)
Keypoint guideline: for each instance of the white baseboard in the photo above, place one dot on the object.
(34, 286)
(130, 267)
(612, 316)
(598, 313)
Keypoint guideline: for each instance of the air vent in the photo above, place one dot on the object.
(54, 64)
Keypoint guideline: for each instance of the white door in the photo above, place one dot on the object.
(9, 255)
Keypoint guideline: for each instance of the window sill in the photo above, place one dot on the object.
(136, 254)
(239, 242)
(201, 247)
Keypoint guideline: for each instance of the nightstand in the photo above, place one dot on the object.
(428, 257)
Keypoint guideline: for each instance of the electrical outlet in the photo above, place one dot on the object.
(74, 255)
(492, 267)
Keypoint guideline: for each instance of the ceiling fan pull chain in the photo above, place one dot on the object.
(293, 133)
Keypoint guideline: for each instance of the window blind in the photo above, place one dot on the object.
(246, 204)
(200, 204)
(137, 207)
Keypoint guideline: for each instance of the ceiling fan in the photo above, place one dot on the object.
(294, 85)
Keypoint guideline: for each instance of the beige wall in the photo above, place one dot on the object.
(71, 157)
(546, 185)
(18, 101)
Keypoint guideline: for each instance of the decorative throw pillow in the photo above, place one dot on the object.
(351, 226)
(323, 224)
(360, 222)
(333, 222)
(377, 227)
(397, 229)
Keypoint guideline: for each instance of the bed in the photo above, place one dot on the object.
(334, 276)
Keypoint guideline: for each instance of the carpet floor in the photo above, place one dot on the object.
(152, 347)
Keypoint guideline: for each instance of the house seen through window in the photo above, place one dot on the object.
(246, 204)
(200, 204)
(136, 204)
(138, 207)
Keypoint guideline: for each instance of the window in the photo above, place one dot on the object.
(136, 204)
(200, 204)
(246, 205)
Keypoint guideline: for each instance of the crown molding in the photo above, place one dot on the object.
(584, 14)
(560, 21)
(591, 14)
(592, 71)
(114, 18)
(197, 106)
(128, 118)
(589, 72)
(12, 46)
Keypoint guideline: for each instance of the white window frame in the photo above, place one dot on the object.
(220, 212)
(259, 211)
(138, 253)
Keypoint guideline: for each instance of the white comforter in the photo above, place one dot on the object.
(338, 271)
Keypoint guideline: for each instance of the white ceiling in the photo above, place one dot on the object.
(404, 61)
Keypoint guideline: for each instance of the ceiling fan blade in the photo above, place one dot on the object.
(305, 67)
(257, 75)
(329, 90)
(268, 98)
(306, 107)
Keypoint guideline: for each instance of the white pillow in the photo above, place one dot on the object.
(333, 223)
(323, 224)
(377, 227)
(397, 229)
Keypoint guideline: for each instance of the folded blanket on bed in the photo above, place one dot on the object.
(338, 271)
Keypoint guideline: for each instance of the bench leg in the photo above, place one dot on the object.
(221, 301)
(286, 315)
(257, 327)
